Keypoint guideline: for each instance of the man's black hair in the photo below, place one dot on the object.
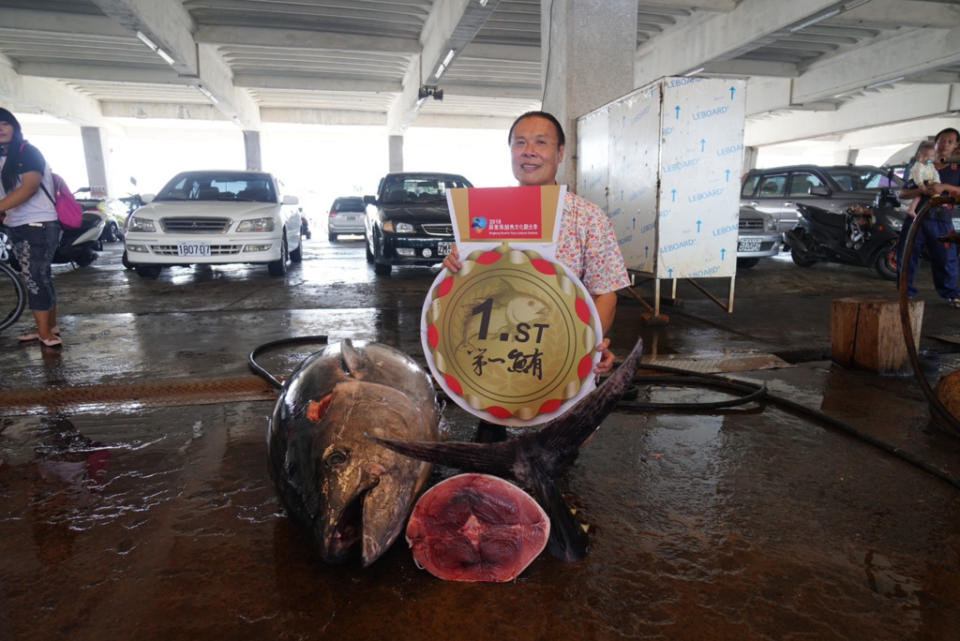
(561, 139)
(948, 130)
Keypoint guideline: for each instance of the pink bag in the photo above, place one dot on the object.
(68, 209)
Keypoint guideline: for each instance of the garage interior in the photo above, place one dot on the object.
(132, 463)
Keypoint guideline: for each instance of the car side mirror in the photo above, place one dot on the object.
(369, 200)
(147, 198)
(290, 200)
(820, 190)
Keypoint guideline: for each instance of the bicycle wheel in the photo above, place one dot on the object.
(13, 296)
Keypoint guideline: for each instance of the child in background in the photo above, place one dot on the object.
(922, 172)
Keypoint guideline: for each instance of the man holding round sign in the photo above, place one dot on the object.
(587, 245)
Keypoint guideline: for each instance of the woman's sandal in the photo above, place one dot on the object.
(54, 342)
(35, 336)
(954, 302)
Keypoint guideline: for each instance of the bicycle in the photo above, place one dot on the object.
(13, 295)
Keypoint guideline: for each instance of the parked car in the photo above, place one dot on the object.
(114, 212)
(758, 237)
(346, 217)
(407, 222)
(215, 217)
(777, 190)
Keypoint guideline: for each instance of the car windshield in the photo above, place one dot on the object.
(411, 190)
(226, 186)
(855, 178)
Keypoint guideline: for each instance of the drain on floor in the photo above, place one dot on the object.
(164, 393)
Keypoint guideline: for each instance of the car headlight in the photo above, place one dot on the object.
(142, 224)
(398, 228)
(771, 224)
(256, 224)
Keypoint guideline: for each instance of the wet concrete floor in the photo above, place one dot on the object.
(150, 517)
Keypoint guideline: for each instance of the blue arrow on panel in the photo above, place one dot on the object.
(634, 223)
(723, 254)
(698, 226)
(733, 92)
(703, 144)
(728, 175)
(670, 272)
(678, 111)
(646, 251)
(673, 194)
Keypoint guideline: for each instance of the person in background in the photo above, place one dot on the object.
(32, 225)
(938, 223)
(587, 245)
(922, 172)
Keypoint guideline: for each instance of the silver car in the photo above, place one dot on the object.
(758, 237)
(346, 217)
(777, 190)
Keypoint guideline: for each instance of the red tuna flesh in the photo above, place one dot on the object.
(476, 527)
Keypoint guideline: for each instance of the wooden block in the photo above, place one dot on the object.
(867, 333)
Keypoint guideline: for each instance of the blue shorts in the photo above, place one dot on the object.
(34, 246)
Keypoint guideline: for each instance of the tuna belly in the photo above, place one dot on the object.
(476, 527)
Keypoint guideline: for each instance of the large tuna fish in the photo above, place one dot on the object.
(535, 459)
(348, 492)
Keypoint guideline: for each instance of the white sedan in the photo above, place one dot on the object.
(215, 217)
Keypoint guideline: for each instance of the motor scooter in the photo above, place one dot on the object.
(863, 235)
(80, 245)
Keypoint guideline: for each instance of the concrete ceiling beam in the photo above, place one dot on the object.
(751, 68)
(44, 95)
(722, 36)
(706, 5)
(160, 110)
(314, 83)
(886, 61)
(507, 53)
(904, 104)
(323, 116)
(100, 73)
(302, 39)
(897, 13)
(58, 23)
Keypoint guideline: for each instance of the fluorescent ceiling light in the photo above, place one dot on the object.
(483, 3)
(694, 72)
(884, 82)
(449, 57)
(155, 48)
(815, 19)
(206, 92)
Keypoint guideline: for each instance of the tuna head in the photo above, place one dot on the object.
(349, 493)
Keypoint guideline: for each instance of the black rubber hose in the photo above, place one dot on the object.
(796, 408)
(939, 414)
(283, 342)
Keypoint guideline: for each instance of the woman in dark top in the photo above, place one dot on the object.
(938, 223)
(32, 225)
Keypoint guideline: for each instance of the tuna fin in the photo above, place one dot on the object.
(351, 361)
(564, 435)
(495, 458)
(568, 540)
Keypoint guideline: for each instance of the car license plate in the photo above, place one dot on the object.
(749, 245)
(193, 249)
(443, 248)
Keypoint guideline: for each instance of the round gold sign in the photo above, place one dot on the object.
(511, 336)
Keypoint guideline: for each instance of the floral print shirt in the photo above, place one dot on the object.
(588, 247)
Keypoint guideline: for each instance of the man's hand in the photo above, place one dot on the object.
(452, 260)
(606, 361)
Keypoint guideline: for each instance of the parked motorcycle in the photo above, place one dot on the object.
(80, 245)
(862, 235)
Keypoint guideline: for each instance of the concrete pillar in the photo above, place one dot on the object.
(396, 153)
(749, 158)
(251, 147)
(94, 153)
(587, 55)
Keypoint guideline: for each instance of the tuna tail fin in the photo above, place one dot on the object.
(568, 540)
(494, 458)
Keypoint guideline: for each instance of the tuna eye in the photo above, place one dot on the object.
(336, 458)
